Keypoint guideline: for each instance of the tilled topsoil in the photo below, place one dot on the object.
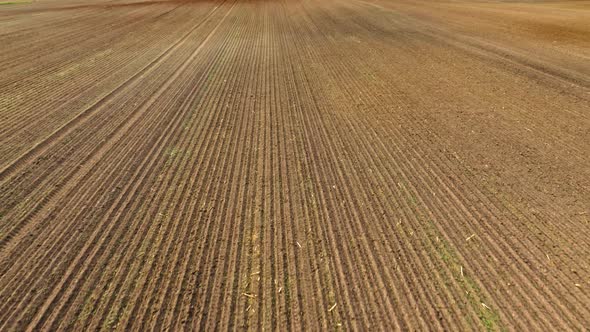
(295, 164)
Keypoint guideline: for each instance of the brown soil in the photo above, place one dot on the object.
(301, 164)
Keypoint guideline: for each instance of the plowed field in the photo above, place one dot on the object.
(295, 164)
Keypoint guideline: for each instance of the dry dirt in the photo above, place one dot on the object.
(295, 164)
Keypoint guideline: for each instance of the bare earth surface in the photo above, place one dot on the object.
(295, 164)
